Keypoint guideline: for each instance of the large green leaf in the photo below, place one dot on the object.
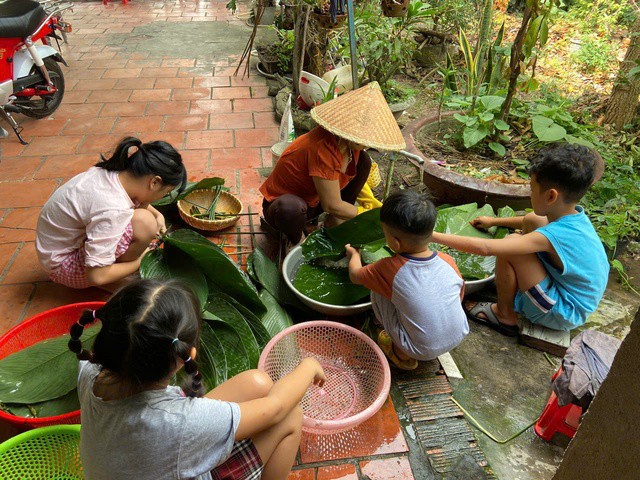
(547, 130)
(52, 408)
(220, 270)
(328, 285)
(276, 319)
(174, 196)
(270, 277)
(171, 262)
(360, 230)
(228, 314)
(43, 371)
(233, 346)
(212, 360)
(256, 326)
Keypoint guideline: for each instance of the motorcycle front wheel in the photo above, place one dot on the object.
(43, 106)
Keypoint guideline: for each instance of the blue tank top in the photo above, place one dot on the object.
(582, 282)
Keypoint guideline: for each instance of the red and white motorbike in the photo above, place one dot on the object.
(31, 81)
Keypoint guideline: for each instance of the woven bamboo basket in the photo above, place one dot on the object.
(227, 203)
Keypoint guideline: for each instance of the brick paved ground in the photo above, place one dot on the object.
(120, 82)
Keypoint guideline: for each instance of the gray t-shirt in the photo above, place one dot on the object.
(155, 435)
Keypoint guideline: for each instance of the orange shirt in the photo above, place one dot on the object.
(315, 154)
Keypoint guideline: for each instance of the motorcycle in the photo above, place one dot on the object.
(31, 80)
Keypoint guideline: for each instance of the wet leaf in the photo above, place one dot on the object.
(44, 371)
(328, 285)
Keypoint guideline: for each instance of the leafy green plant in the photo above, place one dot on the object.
(481, 123)
(596, 53)
(386, 44)
(330, 93)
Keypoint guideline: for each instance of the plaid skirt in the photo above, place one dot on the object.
(71, 273)
(244, 463)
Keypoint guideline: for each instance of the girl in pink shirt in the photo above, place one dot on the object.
(96, 227)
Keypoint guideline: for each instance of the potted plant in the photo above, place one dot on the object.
(481, 128)
(276, 53)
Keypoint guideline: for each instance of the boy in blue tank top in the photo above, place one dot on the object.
(555, 272)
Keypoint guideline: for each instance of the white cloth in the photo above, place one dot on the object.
(90, 211)
(154, 435)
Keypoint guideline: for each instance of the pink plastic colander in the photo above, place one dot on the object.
(358, 376)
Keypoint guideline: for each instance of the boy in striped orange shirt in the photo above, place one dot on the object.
(417, 293)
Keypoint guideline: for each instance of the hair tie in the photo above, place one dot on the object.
(188, 359)
(174, 341)
(93, 312)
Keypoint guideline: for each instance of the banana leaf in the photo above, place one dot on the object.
(212, 361)
(52, 408)
(44, 371)
(171, 262)
(267, 274)
(227, 314)
(277, 318)
(219, 269)
(236, 356)
(256, 326)
(504, 212)
(174, 195)
(329, 242)
(328, 285)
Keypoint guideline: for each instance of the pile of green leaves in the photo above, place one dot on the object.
(40, 380)
(332, 285)
(238, 321)
(456, 221)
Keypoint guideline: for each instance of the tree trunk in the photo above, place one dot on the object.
(623, 103)
(298, 61)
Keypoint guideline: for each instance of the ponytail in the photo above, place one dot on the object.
(76, 330)
(194, 388)
(148, 328)
(154, 158)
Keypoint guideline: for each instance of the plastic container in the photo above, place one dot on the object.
(45, 453)
(49, 324)
(312, 88)
(358, 375)
(277, 150)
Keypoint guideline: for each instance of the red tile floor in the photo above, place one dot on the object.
(222, 124)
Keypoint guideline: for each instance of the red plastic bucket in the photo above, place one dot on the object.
(49, 324)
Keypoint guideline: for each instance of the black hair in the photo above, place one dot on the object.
(568, 167)
(409, 211)
(154, 158)
(140, 325)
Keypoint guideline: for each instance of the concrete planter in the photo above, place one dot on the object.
(451, 187)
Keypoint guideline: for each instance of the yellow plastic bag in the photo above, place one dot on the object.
(366, 200)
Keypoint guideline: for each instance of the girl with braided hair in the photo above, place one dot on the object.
(135, 426)
(95, 228)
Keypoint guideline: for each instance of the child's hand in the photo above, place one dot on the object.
(318, 376)
(482, 222)
(162, 227)
(350, 250)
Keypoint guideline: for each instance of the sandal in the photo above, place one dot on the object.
(490, 320)
(386, 344)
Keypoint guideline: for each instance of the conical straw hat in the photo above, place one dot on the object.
(361, 116)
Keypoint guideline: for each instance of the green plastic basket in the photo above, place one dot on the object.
(49, 453)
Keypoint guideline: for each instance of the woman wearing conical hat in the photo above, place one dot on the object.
(325, 169)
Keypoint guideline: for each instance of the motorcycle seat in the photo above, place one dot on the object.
(20, 18)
